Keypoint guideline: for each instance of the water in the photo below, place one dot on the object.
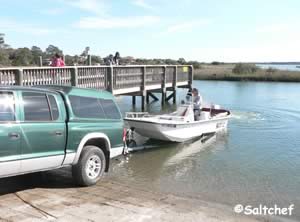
(293, 67)
(256, 162)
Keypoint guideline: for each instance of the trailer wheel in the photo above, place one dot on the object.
(90, 167)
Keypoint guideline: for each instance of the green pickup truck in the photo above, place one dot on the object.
(43, 128)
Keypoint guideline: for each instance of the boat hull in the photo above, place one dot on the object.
(177, 132)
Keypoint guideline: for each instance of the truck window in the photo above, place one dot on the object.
(36, 107)
(86, 107)
(7, 107)
(54, 107)
(110, 109)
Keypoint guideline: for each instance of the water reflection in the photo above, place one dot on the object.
(161, 160)
(187, 150)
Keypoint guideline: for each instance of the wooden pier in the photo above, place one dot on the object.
(130, 80)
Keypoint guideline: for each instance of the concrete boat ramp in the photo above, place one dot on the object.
(51, 196)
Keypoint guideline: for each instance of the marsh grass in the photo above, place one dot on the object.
(224, 72)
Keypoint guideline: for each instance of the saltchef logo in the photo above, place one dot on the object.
(263, 210)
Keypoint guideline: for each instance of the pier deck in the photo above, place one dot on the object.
(119, 80)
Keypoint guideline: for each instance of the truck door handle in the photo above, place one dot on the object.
(58, 133)
(14, 136)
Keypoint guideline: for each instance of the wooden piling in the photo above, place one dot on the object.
(190, 79)
(143, 102)
(147, 98)
(174, 84)
(74, 77)
(19, 77)
(110, 79)
(163, 86)
(144, 92)
(150, 94)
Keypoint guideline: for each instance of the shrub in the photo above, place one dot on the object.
(271, 70)
(244, 68)
(216, 63)
(195, 64)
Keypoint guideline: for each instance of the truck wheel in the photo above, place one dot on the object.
(90, 166)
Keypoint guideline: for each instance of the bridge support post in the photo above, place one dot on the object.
(191, 74)
(110, 79)
(174, 85)
(144, 92)
(163, 86)
(150, 94)
(153, 96)
(147, 98)
(143, 101)
(19, 77)
(163, 96)
(74, 76)
(133, 100)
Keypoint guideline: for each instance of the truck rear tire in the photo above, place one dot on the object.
(90, 167)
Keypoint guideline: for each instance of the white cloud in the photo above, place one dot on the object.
(265, 43)
(280, 33)
(95, 6)
(258, 53)
(116, 22)
(52, 11)
(276, 28)
(187, 26)
(7, 25)
(142, 4)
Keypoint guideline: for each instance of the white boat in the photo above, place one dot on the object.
(179, 126)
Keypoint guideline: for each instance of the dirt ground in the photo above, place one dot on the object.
(52, 196)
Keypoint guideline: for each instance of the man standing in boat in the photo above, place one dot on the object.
(197, 100)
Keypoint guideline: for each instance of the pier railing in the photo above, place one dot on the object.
(116, 79)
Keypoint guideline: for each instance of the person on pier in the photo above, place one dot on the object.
(117, 58)
(109, 60)
(57, 61)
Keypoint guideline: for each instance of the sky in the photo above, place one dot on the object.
(206, 31)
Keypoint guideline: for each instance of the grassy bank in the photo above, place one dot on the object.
(224, 72)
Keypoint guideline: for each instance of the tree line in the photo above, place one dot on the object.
(31, 57)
